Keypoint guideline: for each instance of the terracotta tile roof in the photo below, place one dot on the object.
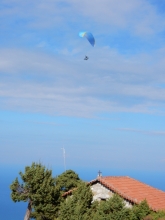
(134, 191)
(68, 193)
(71, 190)
(131, 190)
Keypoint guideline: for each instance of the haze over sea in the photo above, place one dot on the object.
(108, 112)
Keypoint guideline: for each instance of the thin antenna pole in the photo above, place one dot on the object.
(64, 158)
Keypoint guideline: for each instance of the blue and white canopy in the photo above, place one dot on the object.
(89, 37)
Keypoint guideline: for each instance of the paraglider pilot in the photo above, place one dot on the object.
(86, 58)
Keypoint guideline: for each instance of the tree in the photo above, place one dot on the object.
(112, 209)
(141, 210)
(37, 187)
(160, 215)
(68, 180)
(76, 206)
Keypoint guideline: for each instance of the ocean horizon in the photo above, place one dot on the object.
(16, 211)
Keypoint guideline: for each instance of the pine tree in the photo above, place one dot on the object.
(91, 211)
(160, 215)
(76, 206)
(67, 180)
(37, 187)
(112, 209)
(141, 211)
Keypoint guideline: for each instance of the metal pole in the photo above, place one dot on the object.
(64, 158)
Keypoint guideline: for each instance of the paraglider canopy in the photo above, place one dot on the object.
(89, 37)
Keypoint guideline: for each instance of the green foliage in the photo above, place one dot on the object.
(160, 215)
(67, 180)
(91, 211)
(76, 206)
(141, 211)
(112, 209)
(38, 186)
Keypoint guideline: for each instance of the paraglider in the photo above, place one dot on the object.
(89, 37)
(86, 58)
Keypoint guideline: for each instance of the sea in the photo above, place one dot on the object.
(16, 211)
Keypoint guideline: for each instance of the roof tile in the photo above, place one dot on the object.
(135, 191)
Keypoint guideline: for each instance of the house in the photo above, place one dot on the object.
(131, 190)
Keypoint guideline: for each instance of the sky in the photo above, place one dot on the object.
(107, 112)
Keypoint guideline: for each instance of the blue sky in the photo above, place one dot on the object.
(107, 112)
